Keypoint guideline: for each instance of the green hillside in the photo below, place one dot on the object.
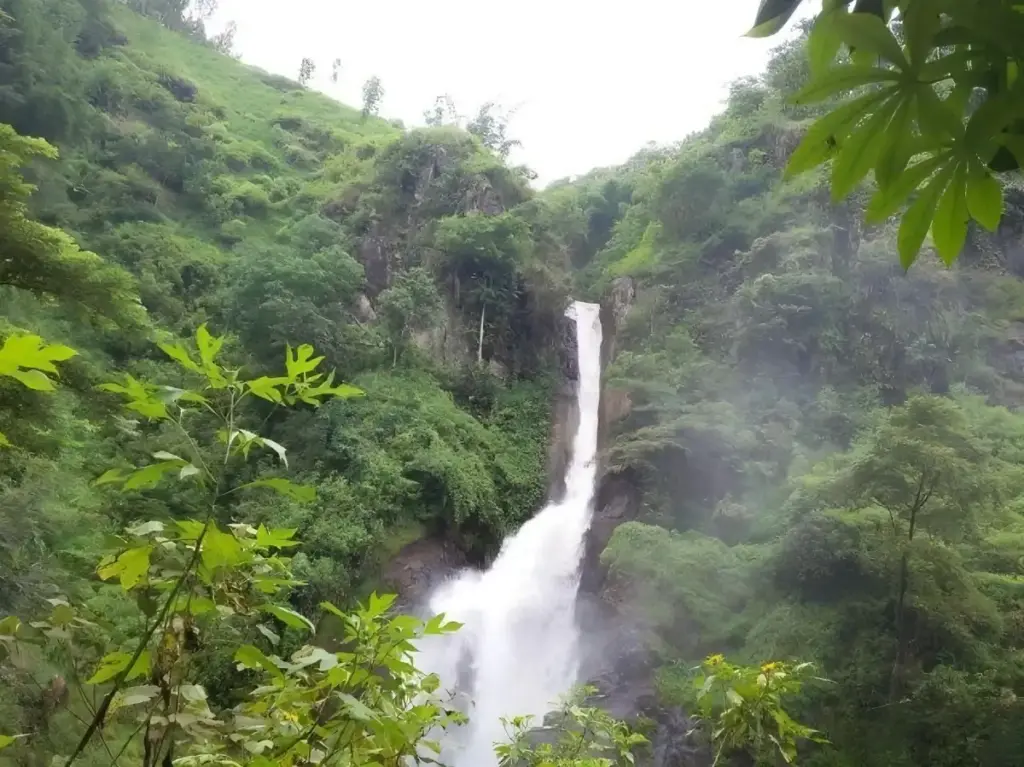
(216, 193)
(811, 455)
(822, 451)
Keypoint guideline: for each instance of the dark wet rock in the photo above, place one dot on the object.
(618, 661)
(363, 309)
(420, 567)
(615, 308)
(179, 87)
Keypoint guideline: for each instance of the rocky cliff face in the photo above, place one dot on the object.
(616, 651)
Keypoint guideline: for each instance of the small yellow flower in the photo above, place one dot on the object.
(715, 660)
(769, 667)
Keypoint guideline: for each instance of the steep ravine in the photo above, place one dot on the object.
(614, 652)
(617, 657)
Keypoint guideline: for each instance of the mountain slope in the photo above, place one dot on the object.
(811, 443)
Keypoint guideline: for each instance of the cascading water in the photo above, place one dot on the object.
(517, 652)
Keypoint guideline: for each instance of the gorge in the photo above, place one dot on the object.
(518, 652)
(759, 440)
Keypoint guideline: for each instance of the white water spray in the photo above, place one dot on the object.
(517, 652)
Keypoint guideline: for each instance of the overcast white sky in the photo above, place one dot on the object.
(593, 81)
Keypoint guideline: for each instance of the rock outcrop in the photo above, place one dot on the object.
(420, 567)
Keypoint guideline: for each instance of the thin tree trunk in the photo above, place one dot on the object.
(921, 498)
(480, 342)
(896, 681)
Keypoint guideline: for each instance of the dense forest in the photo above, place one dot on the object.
(819, 451)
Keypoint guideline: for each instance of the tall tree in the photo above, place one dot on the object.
(411, 305)
(45, 260)
(373, 93)
(491, 126)
(924, 466)
(306, 69)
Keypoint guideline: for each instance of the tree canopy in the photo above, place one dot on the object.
(926, 96)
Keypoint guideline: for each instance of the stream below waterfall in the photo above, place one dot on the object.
(518, 650)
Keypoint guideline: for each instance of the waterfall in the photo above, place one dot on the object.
(517, 652)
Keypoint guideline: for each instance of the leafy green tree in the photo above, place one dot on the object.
(930, 106)
(411, 305)
(924, 467)
(583, 736)
(275, 294)
(745, 706)
(482, 256)
(30, 361)
(46, 261)
(491, 127)
(306, 69)
(442, 113)
(373, 94)
(365, 702)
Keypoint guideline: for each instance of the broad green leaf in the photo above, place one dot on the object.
(6, 740)
(272, 637)
(311, 394)
(248, 656)
(130, 567)
(179, 354)
(147, 528)
(4, 442)
(193, 693)
(895, 151)
(734, 697)
(32, 379)
(289, 617)
(935, 116)
(163, 455)
(303, 493)
(302, 362)
(863, 31)
(173, 394)
(920, 23)
(918, 218)
(28, 358)
(772, 16)
(109, 477)
(188, 471)
(278, 538)
(823, 42)
(116, 662)
(140, 397)
(333, 610)
(209, 346)
(134, 696)
(220, 549)
(189, 530)
(949, 228)
(150, 476)
(859, 151)
(379, 604)
(357, 709)
(822, 138)
(277, 448)
(887, 200)
(991, 117)
(842, 78)
(985, 199)
(266, 388)
(9, 626)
